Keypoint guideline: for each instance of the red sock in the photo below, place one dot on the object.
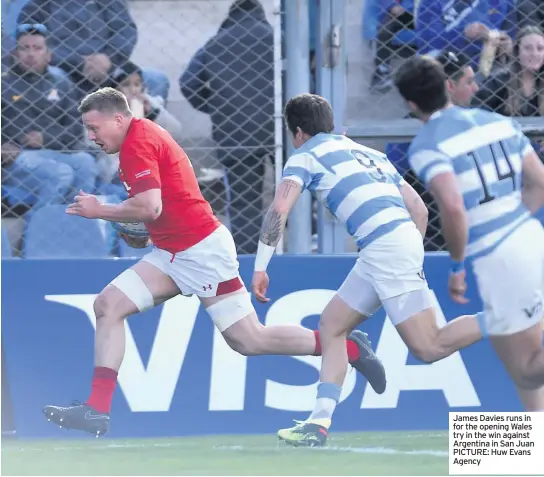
(104, 381)
(353, 349)
(317, 351)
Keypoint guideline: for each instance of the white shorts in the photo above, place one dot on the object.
(511, 281)
(389, 272)
(209, 268)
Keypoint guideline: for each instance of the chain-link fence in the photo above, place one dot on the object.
(493, 54)
(203, 69)
(206, 72)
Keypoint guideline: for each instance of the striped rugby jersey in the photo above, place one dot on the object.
(485, 151)
(357, 184)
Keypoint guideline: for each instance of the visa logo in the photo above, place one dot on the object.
(152, 388)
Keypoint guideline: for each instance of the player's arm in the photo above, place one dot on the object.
(415, 205)
(275, 219)
(453, 215)
(297, 176)
(142, 173)
(436, 171)
(145, 206)
(413, 202)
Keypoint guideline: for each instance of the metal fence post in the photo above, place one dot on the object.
(297, 42)
(330, 60)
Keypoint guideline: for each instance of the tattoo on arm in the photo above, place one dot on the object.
(274, 221)
(289, 185)
(272, 227)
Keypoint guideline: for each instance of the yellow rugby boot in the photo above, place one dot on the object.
(310, 433)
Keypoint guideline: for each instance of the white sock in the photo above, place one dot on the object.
(324, 408)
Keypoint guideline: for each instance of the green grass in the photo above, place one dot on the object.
(409, 453)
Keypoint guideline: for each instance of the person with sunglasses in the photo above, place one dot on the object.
(40, 125)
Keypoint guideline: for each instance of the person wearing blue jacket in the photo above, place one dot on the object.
(462, 25)
(88, 39)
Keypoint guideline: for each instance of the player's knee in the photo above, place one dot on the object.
(330, 326)
(102, 306)
(110, 305)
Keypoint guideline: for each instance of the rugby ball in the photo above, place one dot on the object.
(135, 229)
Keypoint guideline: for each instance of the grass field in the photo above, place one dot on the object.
(346, 454)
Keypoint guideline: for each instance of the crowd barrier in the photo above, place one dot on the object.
(180, 378)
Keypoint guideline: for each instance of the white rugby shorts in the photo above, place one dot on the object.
(511, 281)
(207, 269)
(389, 272)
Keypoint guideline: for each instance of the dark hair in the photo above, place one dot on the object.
(309, 112)
(454, 64)
(422, 81)
(105, 100)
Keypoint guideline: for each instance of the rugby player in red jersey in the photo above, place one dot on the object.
(193, 254)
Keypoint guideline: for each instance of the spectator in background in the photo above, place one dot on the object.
(518, 88)
(232, 79)
(530, 12)
(128, 79)
(463, 25)
(88, 40)
(398, 15)
(40, 125)
(462, 86)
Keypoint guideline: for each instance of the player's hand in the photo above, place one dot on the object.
(85, 205)
(458, 287)
(259, 285)
(136, 242)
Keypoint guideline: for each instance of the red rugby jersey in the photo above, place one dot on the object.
(150, 159)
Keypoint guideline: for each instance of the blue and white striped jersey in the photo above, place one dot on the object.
(485, 151)
(357, 184)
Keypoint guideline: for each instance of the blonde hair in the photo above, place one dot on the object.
(516, 98)
(105, 100)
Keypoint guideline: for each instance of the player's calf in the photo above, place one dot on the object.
(235, 316)
(414, 317)
(523, 356)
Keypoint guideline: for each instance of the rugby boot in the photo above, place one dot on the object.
(368, 363)
(310, 433)
(79, 417)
